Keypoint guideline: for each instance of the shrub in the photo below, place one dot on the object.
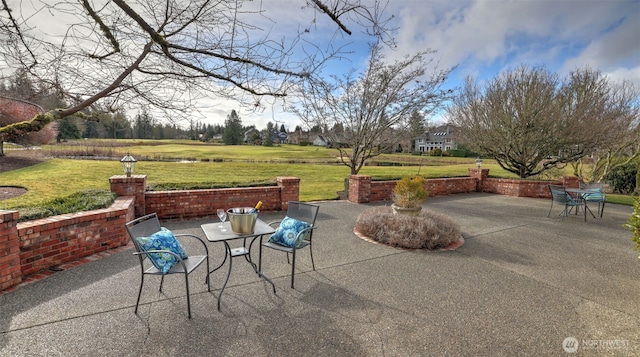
(173, 186)
(80, 201)
(409, 192)
(634, 224)
(428, 230)
(623, 178)
(460, 153)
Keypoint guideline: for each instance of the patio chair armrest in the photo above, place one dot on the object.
(274, 222)
(206, 249)
(147, 252)
(303, 233)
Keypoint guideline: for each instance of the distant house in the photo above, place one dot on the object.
(442, 138)
(320, 140)
(251, 135)
(299, 136)
(280, 137)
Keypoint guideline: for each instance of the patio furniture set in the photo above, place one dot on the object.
(161, 253)
(578, 198)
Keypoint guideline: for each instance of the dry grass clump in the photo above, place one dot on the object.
(429, 230)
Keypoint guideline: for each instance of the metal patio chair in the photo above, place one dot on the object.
(146, 226)
(304, 212)
(596, 194)
(560, 196)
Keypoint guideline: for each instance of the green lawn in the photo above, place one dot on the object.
(195, 150)
(232, 165)
(61, 177)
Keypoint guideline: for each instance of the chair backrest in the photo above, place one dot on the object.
(303, 211)
(558, 194)
(592, 185)
(143, 227)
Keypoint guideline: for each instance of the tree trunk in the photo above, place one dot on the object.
(637, 190)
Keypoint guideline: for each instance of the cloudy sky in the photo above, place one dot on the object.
(484, 37)
(480, 38)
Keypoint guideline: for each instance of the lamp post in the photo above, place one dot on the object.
(478, 162)
(128, 162)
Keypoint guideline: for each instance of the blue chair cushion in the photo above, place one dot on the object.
(162, 240)
(287, 232)
(595, 194)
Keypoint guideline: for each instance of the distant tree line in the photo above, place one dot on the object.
(101, 123)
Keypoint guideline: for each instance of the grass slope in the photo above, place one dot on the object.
(215, 164)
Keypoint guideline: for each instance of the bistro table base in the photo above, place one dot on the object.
(577, 193)
(215, 234)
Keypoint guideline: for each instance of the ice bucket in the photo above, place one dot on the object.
(242, 221)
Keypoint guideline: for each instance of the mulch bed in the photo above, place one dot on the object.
(13, 160)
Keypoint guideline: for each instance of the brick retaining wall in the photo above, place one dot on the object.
(188, 204)
(29, 247)
(362, 189)
(180, 205)
(10, 272)
(382, 190)
(517, 188)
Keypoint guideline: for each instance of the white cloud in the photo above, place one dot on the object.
(493, 35)
(485, 37)
(616, 52)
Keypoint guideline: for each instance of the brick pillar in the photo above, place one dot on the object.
(289, 190)
(136, 186)
(359, 188)
(570, 181)
(10, 270)
(480, 175)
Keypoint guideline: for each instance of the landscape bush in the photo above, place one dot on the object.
(172, 186)
(633, 224)
(623, 178)
(428, 230)
(77, 202)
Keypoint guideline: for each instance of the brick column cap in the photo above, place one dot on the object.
(125, 177)
(287, 178)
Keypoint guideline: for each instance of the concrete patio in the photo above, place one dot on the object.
(520, 285)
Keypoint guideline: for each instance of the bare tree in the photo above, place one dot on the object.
(530, 120)
(168, 53)
(372, 106)
(623, 144)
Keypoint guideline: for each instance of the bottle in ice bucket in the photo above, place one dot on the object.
(257, 207)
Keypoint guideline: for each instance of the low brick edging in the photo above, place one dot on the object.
(203, 203)
(10, 272)
(518, 188)
(362, 189)
(34, 246)
(181, 205)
